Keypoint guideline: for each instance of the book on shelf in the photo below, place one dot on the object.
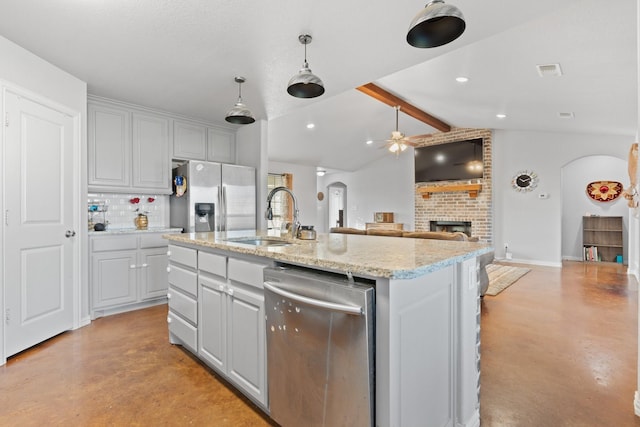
(591, 253)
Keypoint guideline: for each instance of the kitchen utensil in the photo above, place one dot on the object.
(306, 232)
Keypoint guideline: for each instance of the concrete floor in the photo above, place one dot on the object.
(559, 348)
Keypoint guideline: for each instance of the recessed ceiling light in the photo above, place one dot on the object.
(462, 79)
(310, 126)
(321, 172)
(568, 115)
(548, 70)
(369, 142)
(501, 116)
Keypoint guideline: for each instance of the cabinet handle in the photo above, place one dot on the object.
(221, 288)
(145, 265)
(168, 269)
(168, 253)
(132, 266)
(230, 292)
(168, 319)
(169, 295)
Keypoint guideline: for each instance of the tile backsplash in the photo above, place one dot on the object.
(119, 212)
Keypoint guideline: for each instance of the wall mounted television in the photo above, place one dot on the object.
(452, 161)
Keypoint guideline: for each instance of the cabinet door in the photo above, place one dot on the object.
(212, 324)
(189, 141)
(109, 149)
(113, 278)
(246, 343)
(154, 279)
(221, 146)
(151, 167)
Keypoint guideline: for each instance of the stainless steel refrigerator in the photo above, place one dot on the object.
(212, 196)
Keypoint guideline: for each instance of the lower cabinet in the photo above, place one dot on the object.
(128, 271)
(229, 331)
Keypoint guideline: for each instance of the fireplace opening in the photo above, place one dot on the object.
(451, 226)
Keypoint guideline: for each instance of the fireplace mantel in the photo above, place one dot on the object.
(472, 189)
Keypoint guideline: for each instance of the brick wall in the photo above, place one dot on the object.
(458, 206)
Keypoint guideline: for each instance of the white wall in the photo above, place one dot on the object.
(575, 177)
(251, 150)
(386, 185)
(304, 187)
(532, 226)
(22, 69)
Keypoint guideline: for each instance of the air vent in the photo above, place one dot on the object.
(566, 115)
(549, 70)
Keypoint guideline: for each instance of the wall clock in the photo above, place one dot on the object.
(524, 181)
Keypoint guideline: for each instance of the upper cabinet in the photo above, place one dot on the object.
(189, 141)
(128, 150)
(221, 146)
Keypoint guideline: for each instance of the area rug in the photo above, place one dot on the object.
(503, 276)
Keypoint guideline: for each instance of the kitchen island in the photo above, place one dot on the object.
(426, 314)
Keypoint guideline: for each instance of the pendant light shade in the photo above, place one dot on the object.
(305, 84)
(435, 25)
(240, 114)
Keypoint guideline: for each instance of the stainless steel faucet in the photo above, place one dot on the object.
(295, 227)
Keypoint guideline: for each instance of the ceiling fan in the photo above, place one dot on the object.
(399, 142)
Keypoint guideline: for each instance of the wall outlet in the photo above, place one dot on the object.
(508, 255)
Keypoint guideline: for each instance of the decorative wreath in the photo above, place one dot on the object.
(604, 191)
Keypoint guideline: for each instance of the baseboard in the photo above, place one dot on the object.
(530, 262)
(636, 403)
(474, 421)
(130, 307)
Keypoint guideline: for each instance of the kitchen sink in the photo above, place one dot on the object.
(259, 241)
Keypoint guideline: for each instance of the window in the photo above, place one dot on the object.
(281, 205)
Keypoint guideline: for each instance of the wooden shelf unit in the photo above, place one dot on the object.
(605, 234)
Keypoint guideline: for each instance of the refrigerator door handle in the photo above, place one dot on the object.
(224, 207)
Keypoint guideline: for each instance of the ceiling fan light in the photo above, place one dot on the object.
(436, 25)
(305, 84)
(240, 114)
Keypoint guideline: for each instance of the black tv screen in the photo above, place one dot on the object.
(451, 161)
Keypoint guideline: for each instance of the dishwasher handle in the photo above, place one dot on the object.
(331, 306)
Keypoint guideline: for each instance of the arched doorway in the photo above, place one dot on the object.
(337, 214)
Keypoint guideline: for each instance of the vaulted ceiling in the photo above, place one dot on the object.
(182, 57)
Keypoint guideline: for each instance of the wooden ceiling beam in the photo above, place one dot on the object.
(392, 100)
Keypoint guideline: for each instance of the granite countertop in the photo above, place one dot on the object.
(375, 256)
(135, 231)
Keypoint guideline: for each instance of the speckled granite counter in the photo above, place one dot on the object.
(135, 231)
(375, 256)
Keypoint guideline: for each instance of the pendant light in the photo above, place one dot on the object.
(305, 84)
(435, 25)
(240, 114)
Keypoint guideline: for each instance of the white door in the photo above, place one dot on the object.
(38, 186)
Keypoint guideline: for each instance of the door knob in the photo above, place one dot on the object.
(69, 233)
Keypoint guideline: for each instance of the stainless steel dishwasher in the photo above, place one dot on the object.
(320, 348)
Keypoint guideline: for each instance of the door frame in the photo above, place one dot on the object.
(79, 188)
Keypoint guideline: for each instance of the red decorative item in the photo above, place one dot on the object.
(604, 191)
(135, 200)
(151, 200)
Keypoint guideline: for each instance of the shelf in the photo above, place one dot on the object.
(605, 235)
(472, 189)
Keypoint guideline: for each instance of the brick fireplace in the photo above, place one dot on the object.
(459, 204)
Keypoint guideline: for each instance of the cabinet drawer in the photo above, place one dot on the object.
(186, 256)
(154, 240)
(113, 243)
(182, 330)
(183, 305)
(183, 279)
(212, 263)
(245, 272)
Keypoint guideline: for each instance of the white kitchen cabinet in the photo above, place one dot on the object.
(109, 147)
(128, 150)
(231, 324)
(221, 145)
(128, 271)
(183, 297)
(189, 141)
(150, 144)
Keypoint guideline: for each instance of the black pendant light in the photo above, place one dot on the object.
(305, 84)
(435, 25)
(240, 114)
